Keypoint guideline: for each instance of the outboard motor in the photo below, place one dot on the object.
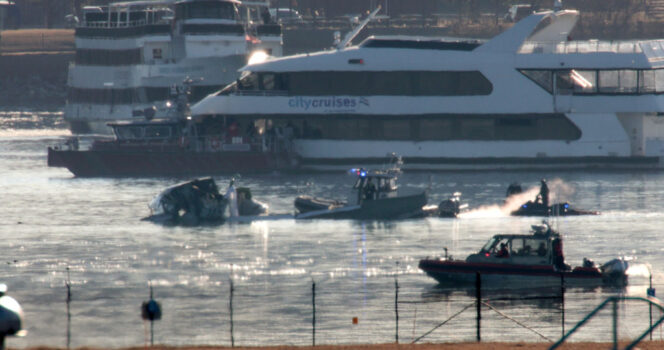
(615, 271)
(11, 317)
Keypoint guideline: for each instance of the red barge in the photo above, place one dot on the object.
(176, 148)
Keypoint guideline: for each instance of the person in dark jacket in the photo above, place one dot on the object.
(544, 193)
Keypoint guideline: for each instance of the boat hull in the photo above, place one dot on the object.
(461, 272)
(146, 163)
(402, 207)
(558, 209)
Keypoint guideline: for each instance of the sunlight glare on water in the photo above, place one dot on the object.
(51, 220)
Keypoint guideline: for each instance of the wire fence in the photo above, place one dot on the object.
(333, 311)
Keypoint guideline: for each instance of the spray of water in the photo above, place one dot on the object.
(639, 270)
(559, 191)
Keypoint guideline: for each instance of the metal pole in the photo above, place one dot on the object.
(562, 299)
(313, 319)
(230, 305)
(396, 309)
(151, 320)
(68, 285)
(615, 324)
(478, 296)
(649, 304)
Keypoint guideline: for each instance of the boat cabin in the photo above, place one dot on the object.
(543, 247)
(372, 185)
(129, 132)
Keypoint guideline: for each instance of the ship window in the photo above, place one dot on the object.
(248, 82)
(647, 81)
(564, 83)
(435, 129)
(205, 9)
(659, 80)
(95, 57)
(157, 132)
(267, 81)
(440, 127)
(585, 81)
(393, 83)
(543, 78)
(617, 81)
(477, 129)
(396, 130)
(129, 132)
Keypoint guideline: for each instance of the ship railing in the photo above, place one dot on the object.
(113, 24)
(262, 93)
(225, 143)
(580, 47)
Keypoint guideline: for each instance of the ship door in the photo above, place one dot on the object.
(563, 88)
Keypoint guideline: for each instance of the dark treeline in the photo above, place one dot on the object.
(51, 13)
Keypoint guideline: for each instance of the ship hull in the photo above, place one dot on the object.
(394, 208)
(166, 163)
(461, 272)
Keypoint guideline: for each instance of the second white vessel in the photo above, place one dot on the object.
(129, 55)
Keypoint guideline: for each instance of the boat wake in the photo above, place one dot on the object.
(639, 270)
(559, 192)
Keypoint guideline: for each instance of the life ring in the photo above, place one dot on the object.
(215, 144)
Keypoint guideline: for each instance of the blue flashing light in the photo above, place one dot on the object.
(566, 205)
(524, 206)
(363, 173)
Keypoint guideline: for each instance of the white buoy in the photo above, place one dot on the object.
(11, 317)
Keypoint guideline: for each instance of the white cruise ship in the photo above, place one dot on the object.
(529, 98)
(130, 54)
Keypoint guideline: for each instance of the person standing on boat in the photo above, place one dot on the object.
(370, 190)
(503, 252)
(544, 193)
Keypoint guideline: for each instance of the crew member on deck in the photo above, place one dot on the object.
(370, 191)
(503, 252)
(544, 193)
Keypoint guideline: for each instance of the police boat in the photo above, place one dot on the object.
(523, 261)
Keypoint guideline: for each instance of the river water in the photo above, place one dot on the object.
(54, 224)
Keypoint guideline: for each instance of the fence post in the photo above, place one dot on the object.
(650, 293)
(562, 299)
(396, 309)
(615, 324)
(230, 306)
(313, 319)
(478, 296)
(68, 285)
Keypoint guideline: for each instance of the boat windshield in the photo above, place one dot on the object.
(490, 244)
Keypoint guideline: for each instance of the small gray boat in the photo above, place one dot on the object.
(374, 198)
